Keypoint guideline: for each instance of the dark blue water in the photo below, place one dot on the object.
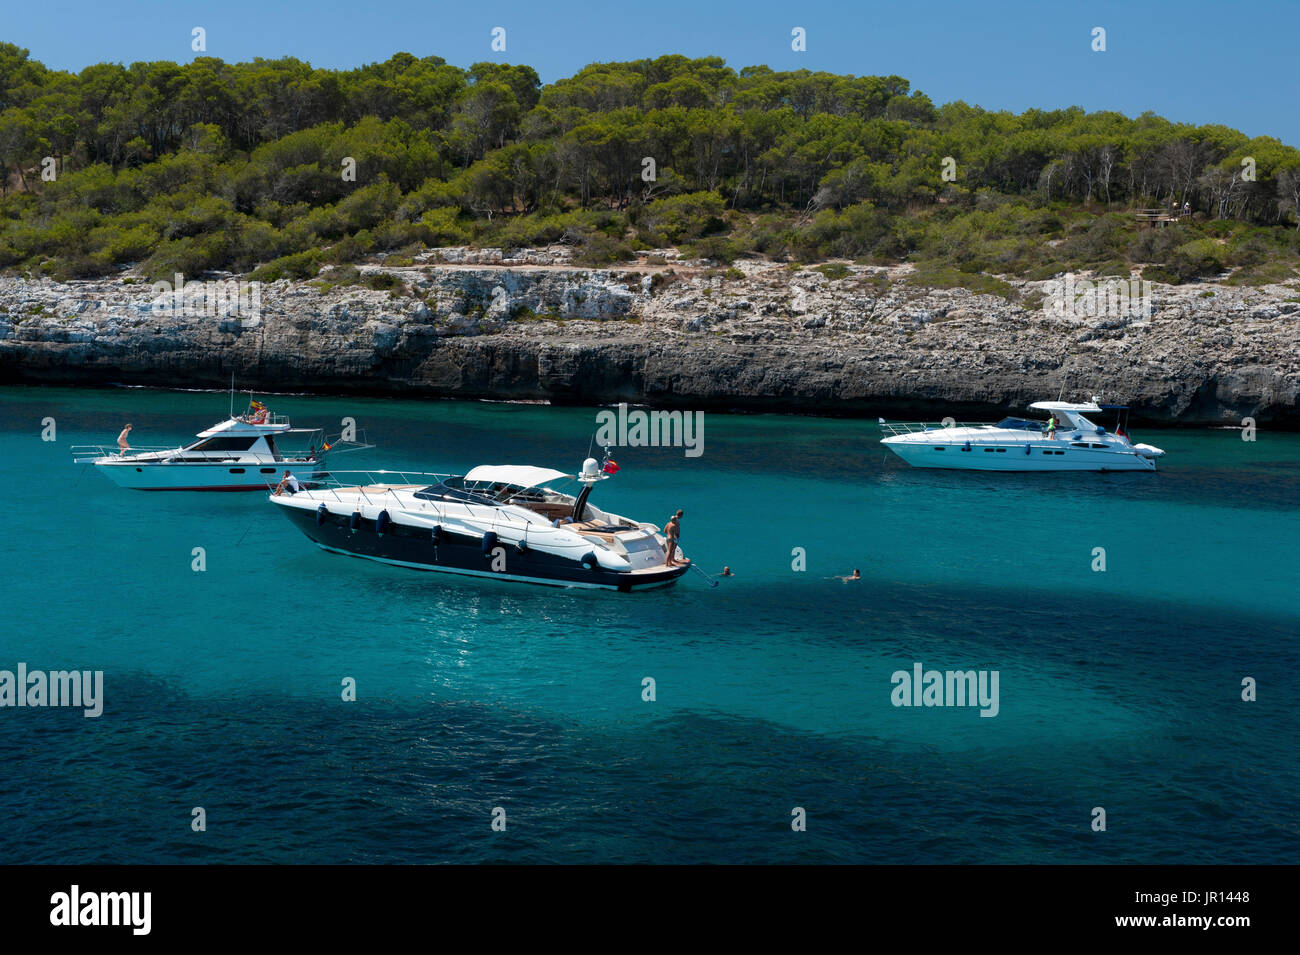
(1119, 689)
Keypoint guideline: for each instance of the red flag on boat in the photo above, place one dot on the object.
(611, 467)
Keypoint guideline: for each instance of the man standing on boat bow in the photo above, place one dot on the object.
(672, 530)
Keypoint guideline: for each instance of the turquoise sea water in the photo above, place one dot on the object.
(1119, 689)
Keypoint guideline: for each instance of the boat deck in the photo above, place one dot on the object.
(683, 562)
(377, 488)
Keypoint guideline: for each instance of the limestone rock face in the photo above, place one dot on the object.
(666, 331)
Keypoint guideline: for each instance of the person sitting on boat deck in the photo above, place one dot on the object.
(1050, 430)
(124, 440)
(672, 530)
(288, 482)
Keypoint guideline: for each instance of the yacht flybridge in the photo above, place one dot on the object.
(239, 454)
(1020, 444)
(507, 522)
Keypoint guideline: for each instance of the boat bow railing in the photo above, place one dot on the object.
(266, 420)
(373, 486)
(85, 453)
(895, 428)
(380, 488)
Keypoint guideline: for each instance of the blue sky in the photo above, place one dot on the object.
(1192, 61)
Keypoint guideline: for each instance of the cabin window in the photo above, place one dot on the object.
(1019, 424)
(940, 449)
(1079, 444)
(224, 444)
(1001, 450)
(236, 470)
(989, 450)
(268, 470)
(1097, 446)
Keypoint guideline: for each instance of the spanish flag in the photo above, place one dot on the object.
(325, 447)
(256, 405)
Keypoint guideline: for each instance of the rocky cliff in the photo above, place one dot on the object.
(840, 339)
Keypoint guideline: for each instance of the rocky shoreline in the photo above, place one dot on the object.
(840, 339)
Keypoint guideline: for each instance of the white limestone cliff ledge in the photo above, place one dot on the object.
(837, 338)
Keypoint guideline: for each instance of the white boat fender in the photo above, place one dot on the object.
(354, 524)
(589, 561)
(320, 514)
(382, 522)
(489, 542)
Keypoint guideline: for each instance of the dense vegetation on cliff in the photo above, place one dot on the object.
(241, 167)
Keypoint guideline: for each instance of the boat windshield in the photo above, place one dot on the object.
(1020, 424)
(224, 444)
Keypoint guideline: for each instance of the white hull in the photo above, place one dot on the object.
(1067, 441)
(1059, 456)
(193, 476)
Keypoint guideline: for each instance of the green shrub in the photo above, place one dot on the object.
(691, 215)
(599, 249)
(834, 270)
(191, 256)
(300, 265)
(943, 276)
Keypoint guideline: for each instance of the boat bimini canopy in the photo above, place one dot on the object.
(235, 426)
(1072, 412)
(1076, 407)
(518, 475)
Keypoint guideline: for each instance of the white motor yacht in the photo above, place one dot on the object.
(1020, 444)
(239, 454)
(507, 522)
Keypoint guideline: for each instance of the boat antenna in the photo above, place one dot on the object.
(1065, 356)
(232, 394)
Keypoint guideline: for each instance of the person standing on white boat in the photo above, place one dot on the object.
(1050, 430)
(288, 481)
(672, 530)
(124, 440)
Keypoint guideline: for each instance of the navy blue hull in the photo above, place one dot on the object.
(461, 554)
